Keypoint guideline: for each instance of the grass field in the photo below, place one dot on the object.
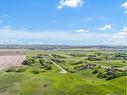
(51, 82)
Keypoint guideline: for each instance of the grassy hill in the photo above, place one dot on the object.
(51, 82)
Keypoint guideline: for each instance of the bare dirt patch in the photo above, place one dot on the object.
(11, 58)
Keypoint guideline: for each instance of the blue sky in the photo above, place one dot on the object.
(73, 22)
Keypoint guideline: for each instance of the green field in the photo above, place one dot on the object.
(45, 79)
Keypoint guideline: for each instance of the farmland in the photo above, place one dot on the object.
(10, 58)
(73, 71)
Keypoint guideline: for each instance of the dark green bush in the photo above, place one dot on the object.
(47, 67)
(109, 77)
(35, 70)
(16, 69)
(99, 75)
(10, 70)
(95, 71)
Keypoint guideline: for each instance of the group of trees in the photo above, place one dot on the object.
(107, 56)
(121, 56)
(99, 56)
(109, 74)
(70, 69)
(77, 55)
(77, 62)
(38, 64)
(58, 56)
(93, 58)
(57, 60)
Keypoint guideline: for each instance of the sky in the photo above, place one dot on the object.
(63, 22)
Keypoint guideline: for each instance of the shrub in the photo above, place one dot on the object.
(16, 69)
(109, 77)
(95, 71)
(76, 63)
(93, 58)
(41, 61)
(10, 70)
(86, 62)
(22, 69)
(35, 70)
(79, 62)
(47, 67)
(100, 74)
(71, 70)
(30, 61)
(124, 61)
(57, 56)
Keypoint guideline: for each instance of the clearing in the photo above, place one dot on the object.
(11, 57)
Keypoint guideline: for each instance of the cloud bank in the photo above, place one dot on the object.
(11, 36)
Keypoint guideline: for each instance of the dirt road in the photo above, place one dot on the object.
(62, 70)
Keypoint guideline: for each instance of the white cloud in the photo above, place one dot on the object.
(123, 33)
(59, 7)
(81, 30)
(106, 27)
(124, 5)
(117, 38)
(69, 3)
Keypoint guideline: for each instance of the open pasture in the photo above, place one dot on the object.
(87, 73)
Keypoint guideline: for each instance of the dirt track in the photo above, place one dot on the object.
(62, 70)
